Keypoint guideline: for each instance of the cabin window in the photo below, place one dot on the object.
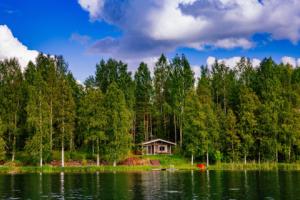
(161, 148)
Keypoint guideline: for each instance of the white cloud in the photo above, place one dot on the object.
(230, 62)
(197, 71)
(289, 60)
(160, 26)
(255, 62)
(11, 47)
(231, 43)
(94, 7)
(210, 61)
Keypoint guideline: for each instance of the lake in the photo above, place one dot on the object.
(153, 185)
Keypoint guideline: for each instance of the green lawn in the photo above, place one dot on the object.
(166, 161)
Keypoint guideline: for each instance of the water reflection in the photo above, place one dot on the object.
(62, 184)
(153, 185)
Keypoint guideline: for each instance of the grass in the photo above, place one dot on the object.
(75, 169)
(255, 166)
(166, 161)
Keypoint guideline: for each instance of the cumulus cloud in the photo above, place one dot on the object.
(152, 27)
(94, 7)
(289, 60)
(230, 62)
(197, 70)
(11, 47)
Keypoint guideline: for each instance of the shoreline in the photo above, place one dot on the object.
(141, 168)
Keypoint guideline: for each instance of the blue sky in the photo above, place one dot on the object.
(85, 31)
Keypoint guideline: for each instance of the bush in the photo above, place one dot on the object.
(76, 155)
(2, 149)
(218, 156)
(55, 155)
(84, 162)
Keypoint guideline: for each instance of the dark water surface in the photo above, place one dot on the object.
(153, 185)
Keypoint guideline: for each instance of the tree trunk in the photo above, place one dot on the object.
(175, 129)
(224, 97)
(145, 129)
(62, 155)
(207, 159)
(289, 153)
(232, 147)
(259, 157)
(180, 131)
(14, 149)
(147, 126)
(63, 149)
(276, 153)
(41, 132)
(93, 148)
(115, 163)
(98, 158)
(245, 158)
(51, 125)
(14, 139)
(192, 159)
(165, 127)
(63, 138)
(151, 128)
(41, 161)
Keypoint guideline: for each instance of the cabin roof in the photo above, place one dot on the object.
(158, 140)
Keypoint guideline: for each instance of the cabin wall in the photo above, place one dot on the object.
(157, 148)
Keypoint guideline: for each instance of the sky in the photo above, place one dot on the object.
(86, 31)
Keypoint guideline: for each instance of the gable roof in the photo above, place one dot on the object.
(158, 140)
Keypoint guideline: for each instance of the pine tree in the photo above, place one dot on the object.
(93, 119)
(196, 135)
(181, 81)
(211, 122)
(117, 130)
(38, 119)
(2, 142)
(247, 125)
(11, 100)
(161, 106)
(65, 116)
(232, 137)
(143, 95)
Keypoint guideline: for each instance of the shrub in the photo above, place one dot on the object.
(2, 149)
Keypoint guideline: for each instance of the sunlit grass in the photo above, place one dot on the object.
(255, 166)
(166, 162)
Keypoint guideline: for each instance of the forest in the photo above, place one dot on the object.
(238, 114)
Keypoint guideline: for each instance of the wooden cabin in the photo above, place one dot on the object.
(157, 146)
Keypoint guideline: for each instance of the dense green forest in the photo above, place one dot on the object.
(226, 115)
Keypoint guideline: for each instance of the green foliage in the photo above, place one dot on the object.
(143, 94)
(232, 114)
(92, 117)
(2, 142)
(2, 149)
(117, 130)
(195, 131)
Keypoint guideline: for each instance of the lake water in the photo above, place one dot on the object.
(153, 185)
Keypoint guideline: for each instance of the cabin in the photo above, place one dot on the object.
(157, 146)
